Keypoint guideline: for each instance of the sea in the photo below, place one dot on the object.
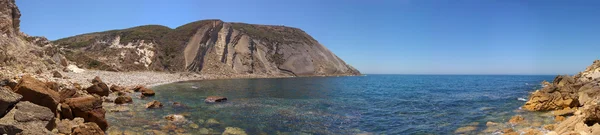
(369, 104)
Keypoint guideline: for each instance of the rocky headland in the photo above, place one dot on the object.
(569, 105)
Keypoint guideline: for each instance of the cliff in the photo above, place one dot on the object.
(207, 47)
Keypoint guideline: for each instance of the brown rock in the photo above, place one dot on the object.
(123, 100)
(549, 127)
(77, 86)
(153, 104)
(56, 74)
(147, 92)
(53, 86)
(544, 101)
(99, 88)
(67, 93)
(88, 108)
(88, 129)
(96, 80)
(559, 118)
(213, 99)
(116, 88)
(564, 112)
(66, 112)
(533, 132)
(36, 92)
(516, 119)
(138, 88)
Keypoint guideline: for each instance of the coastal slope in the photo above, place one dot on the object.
(206, 47)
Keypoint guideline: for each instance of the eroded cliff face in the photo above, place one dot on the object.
(9, 18)
(213, 47)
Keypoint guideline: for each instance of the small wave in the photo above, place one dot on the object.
(522, 99)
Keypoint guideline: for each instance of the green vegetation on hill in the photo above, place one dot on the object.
(273, 34)
(152, 33)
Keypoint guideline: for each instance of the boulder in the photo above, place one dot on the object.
(235, 131)
(53, 86)
(146, 92)
(27, 118)
(96, 80)
(213, 99)
(67, 93)
(7, 100)
(116, 88)
(123, 100)
(100, 89)
(37, 92)
(56, 74)
(153, 104)
(65, 111)
(546, 101)
(66, 126)
(89, 108)
(88, 129)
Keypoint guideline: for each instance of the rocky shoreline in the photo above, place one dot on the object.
(570, 103)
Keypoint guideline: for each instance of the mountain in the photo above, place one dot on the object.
(207, 47)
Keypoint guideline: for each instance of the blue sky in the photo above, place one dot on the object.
(385, 37)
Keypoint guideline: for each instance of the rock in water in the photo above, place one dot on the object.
(234, 131)
(153, 104)
(147, 92)
(123, 100)
(7, 100)
(88, 108)
(37, 92)
(213, 99)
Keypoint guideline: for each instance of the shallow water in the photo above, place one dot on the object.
(377, 104)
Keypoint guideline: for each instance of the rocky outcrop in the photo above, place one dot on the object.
(37, 92)
(9, 18)
(7, 100)
(209, 47)
(89, 108)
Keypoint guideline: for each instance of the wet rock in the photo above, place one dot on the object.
(147, 92)
(89, 128)
(100, 89)
(27, 118)
(37, 92)
(214, 99)
(516, 119)
(234, 131)
(175, 118)
(56, 74)
(7, 100)
(153, 104)
(88, 108)
(123, 100)
(116, 88)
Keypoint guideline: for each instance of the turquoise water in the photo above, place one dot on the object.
(377, 104)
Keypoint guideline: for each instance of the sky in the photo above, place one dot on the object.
(377, 37)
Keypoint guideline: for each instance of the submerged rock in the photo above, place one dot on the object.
(175, 118)
(234, 131)
(214, 99)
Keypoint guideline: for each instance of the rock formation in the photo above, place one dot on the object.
(208, 47)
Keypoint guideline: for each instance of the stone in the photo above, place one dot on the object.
(65, 126)
(27, 118)
(89, 108)
(559, 118)
(56, 74)
(549, 127)
(564, 112)
(194, 126)
(596, 129)
(214, 99)
(37, 92)
(96, 80)
(147, 92)
(235, 131)
(66, 112)
(116, 88)
(77, 86)
(101, 89)
(212, 122)
(53, 86)
(67, 93)
(123, 100)
(544, 101)
(89, 128)
(154, 104)
(175, 118)
(7, 100)
(533, 132)
(516, 119)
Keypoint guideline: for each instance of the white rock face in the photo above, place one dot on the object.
(143, 49)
